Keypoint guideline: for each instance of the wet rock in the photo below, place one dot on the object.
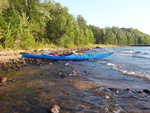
(67, 64)
(61, 74)
(50, 63)
(74, 73)
(3, 79)
(118, 109)
(104, 93)
(81, 107)
(127, 89)
(114, 90)
(140, 91)
(85, 72)
(97, 47)
(107, 97)
(54, 109)
(147, 91)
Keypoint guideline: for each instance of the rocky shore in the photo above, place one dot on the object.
(12, 59)
(37, 86)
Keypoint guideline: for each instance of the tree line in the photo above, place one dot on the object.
(119, 36)
(32, 23)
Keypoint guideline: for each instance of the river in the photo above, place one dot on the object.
(128, 67)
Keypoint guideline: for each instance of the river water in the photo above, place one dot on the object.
(128, 67)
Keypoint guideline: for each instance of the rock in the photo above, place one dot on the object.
(140, 91)
(74, 73)
(146, 91)
(61, 74)
(107, 97)
(127, 89)
(50, 63)
(85, 72)
(54, 109)
(117, 91)
(118, 109)
(114, 90)
(3, 79)
(66, 64)
(69, 75)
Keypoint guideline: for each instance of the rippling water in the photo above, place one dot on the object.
(129, 60)
(127, 66)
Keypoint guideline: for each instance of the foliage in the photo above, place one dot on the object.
(119, 36)
(30, 23)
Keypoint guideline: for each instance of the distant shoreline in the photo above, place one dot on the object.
(139, 45)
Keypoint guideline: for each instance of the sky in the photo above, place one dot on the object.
(108, 13)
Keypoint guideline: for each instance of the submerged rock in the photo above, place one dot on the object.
(74, 73)
(114, 90)
(146, 91)
(107, 97)
(54, 109)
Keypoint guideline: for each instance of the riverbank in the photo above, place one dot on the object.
(10, 58)
(38, 85)
(35, 88)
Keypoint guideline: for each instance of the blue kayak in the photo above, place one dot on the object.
(76, 57)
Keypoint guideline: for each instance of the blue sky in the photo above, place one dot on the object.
(108, 13)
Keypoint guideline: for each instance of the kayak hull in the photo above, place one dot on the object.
(76, 57)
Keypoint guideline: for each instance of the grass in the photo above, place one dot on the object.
(52, 46)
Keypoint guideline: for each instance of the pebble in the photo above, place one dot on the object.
(3, 79)
(67, 64)
(107, 97)
(69, 75)
(85, 72)
(55, 109)
(114, 90)
(117, 91)
(118, 110)
(61, 74)
(74, 73)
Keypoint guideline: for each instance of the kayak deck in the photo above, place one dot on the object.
(85, 56)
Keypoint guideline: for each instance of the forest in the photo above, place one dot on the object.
(26, 24)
